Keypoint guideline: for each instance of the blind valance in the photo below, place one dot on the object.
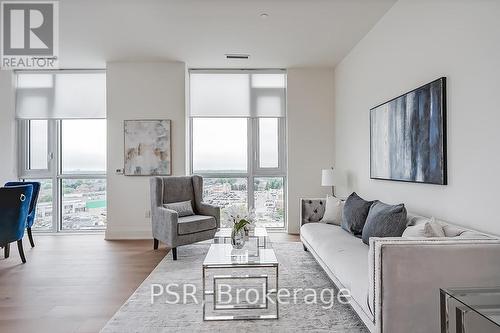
(61, 95)
(237, 94)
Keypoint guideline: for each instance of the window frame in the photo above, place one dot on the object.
(24, 170)
(281, 169)
(253, 151)
(54, 172)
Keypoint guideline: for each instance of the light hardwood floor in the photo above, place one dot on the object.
(74, 283)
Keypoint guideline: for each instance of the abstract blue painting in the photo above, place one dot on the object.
(408, 136)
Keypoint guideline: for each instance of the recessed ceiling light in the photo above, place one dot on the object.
(264, 15)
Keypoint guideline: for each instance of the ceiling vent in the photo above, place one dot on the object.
(237, 56)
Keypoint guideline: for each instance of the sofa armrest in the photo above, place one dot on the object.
(406, 274)
(311, 210)
(164, 223)
(210, 210)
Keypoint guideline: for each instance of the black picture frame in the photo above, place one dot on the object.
(443, 177)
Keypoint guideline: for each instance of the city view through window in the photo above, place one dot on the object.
(269, 201)
(237, 129)
(62, 127)
(83, 205)
(80, 194)
(44, 207)
(220, 154)
(228, 192)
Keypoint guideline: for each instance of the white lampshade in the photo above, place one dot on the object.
(327, 178)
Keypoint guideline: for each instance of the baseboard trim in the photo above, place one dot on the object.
(128, 234)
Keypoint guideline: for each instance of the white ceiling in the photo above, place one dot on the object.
(199, 32)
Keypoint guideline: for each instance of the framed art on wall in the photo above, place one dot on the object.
(147, 147)
(408, 136)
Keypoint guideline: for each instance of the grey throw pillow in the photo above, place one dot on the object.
(384, 220)
(354, 214)
(183, 208)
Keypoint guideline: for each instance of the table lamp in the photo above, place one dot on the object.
(327, 179)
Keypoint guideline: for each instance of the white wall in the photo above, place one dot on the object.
(138, 90)
(310, 136)
(156, 90)
(7, 128)
(414, 43)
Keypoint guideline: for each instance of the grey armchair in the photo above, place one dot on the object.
(173, 230)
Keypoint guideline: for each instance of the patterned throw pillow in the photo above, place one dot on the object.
(183, 208)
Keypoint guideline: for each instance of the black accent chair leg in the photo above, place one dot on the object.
(6, 251)
(155, 244)
(305, 248)
(174, 253)
(21, 250)
(30, 236)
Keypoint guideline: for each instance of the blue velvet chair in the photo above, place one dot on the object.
(14, 209)
(31, 216)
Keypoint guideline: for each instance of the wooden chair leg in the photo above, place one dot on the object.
(174, 253)
(30, 237)
(21, 250)
(155, 244)
(6, 251)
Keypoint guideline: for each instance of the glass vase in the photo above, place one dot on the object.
(238, 238)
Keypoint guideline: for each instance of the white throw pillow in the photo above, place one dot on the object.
(427, 229)
(437, 228)
(333, 210)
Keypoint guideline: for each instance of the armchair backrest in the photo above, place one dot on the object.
(175, 189)
(14, 208)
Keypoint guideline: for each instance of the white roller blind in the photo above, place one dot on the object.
(61, 95)
(239, 94)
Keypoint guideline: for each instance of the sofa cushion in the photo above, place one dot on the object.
(195, 223)
(333, 210)
(183, 208)
(344, 255)
(384, 220)
(354, 214)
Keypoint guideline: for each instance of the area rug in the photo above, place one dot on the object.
(297, 269)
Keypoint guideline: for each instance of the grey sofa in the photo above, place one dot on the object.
(173, 230)
(394, 282)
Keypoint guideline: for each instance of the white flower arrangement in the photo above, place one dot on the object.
(241, 218)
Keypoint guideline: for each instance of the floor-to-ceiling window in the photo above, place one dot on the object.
(61, 118)
(237, 135)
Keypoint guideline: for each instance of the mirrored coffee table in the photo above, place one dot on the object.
(223, 235)
(237, 286)
(470, 310)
